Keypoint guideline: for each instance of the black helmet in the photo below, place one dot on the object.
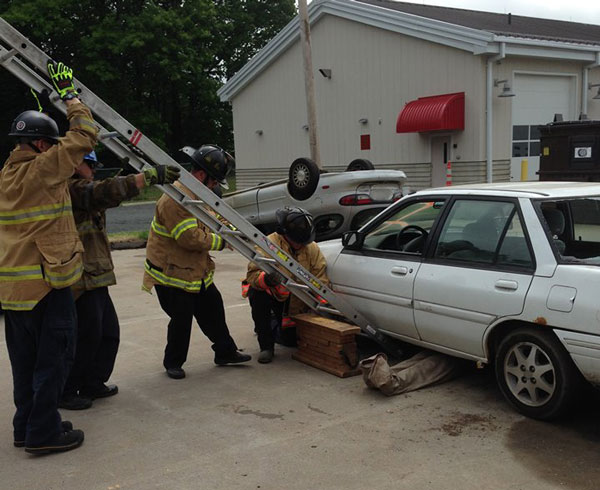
(297, 224)
(215, 161)
(34, 125)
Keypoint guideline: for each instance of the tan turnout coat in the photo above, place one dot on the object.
(90, 200)
(39, 246)
(310, 257)
(177, 253)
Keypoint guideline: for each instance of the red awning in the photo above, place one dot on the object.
(435, 113)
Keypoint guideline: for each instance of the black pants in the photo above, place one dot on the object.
(40, 346)
(97, 341)
(264, 309)
(181, 306)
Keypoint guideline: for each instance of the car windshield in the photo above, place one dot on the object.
(410, 221)
(573, 228)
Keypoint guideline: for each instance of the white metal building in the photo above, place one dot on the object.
(411, 87)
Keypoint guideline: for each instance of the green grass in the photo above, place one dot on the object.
(124, 236)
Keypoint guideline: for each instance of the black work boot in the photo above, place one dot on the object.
(235, 357)
(64, 442)
(175, 373)
(74, 402)
(98, 391)
(65, 425)
(266, 356)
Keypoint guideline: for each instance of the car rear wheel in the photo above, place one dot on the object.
(360, 164)
(303, 178)
(536, 374)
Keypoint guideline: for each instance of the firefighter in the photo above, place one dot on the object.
(97, 322)
(179, 266)
(295, 235)
(40, 257)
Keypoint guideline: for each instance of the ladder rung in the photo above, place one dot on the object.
(268, 260)
(229, 231)
(326, 309)
(8, 55)
(105, 136)
(297, 285)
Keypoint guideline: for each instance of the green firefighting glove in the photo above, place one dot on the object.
(61, 77)
(161, 174)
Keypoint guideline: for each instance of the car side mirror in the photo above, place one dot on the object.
(353, 240)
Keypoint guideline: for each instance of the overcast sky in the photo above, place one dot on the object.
(587, 11)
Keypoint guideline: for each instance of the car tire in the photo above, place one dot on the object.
(535, 374)
(360, 164)
(303, 178)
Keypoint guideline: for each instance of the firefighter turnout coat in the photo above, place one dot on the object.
(90, 200)
(39, 246)
(309, 256)
(177, 250)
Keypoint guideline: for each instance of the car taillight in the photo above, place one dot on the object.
(356, 200)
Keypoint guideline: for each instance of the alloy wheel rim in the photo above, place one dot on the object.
(301, 176)
(529, 374)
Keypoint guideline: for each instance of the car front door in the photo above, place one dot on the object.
(378, 278)
(479, 269)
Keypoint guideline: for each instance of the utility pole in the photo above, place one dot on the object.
(309, 83)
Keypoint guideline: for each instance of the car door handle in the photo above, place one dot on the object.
(399, 271)
(506, 285)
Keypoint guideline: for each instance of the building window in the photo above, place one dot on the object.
(526, 141)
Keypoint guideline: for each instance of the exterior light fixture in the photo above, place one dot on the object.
(259, 132)
(305, 127)
(326, 72)
(363, 120)
(506, 90)
(590, 86)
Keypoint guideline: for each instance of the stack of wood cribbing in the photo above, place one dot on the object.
(327, 344)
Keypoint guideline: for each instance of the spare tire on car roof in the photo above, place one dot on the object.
(360, 164)
(303, 178)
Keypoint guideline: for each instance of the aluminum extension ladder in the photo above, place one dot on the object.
(29, 64)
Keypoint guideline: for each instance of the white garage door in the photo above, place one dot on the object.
(538, 99)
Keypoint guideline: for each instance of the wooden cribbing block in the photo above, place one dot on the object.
(326, 344)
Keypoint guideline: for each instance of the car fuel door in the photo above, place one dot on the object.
(479, 269)
(378, 277)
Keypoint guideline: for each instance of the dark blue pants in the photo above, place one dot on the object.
(40, 346)
(267, 313)
(97, 341)
(208, 310)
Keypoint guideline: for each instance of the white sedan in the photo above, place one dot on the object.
(506, 274)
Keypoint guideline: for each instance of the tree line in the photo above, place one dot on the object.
(159, 63)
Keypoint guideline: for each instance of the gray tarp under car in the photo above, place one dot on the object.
(423, 369)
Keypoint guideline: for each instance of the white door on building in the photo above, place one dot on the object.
(440, 154)
(538, 98)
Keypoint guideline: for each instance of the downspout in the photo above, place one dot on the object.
(584, 88)
(488, 111)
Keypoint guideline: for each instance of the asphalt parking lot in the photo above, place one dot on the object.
(287, 425)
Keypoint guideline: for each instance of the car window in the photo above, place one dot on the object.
(406, 230)
(573, 227)
(484, 232)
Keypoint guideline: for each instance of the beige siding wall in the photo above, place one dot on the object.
(374, 74)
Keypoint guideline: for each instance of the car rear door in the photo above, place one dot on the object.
(378, 278)
(478, 270)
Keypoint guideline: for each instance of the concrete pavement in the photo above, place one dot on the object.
(287, 425)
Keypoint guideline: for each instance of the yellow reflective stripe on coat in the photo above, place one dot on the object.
(162, 278)
(66, 279)
(217, 242)
(85, 227)
(159, 229)
(183, 226)
(19, 305)
(101, 280)
(84, 123)
(22, 273)
(37, 213)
